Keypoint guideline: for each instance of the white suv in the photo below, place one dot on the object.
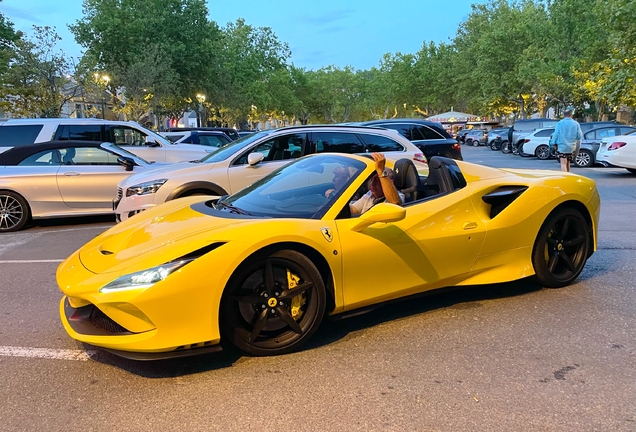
(129, 135)
(244, 161)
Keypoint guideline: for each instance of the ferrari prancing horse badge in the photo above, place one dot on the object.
(326, 233)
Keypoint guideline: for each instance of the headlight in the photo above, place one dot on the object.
(144, 278)
(145, 188)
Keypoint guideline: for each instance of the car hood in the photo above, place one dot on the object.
(167, 170)
(156, 236)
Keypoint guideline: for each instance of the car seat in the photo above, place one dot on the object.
(443, 175)
(406, 179)
(280, 151)
(68, 157)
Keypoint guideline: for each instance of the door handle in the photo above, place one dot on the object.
(72, 174)
(470, 225)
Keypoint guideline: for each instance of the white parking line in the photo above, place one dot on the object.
(31, 261)
(46, 353)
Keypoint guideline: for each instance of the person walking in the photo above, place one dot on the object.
(567, 139)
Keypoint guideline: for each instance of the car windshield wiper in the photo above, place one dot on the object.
(231, 208)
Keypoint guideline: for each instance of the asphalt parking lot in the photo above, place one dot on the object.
(509, 357)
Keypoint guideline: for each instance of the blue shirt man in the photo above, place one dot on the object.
(567, 137)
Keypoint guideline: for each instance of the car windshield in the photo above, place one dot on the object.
(297, 190)
(232, 148)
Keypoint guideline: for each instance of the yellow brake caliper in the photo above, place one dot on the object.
(297, 302)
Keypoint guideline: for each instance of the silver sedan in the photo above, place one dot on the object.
(61, 179)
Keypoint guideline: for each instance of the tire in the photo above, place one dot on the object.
(584, 159)
(475, 143)
(505, 147)
(515, 150)
(542, 152)
(14, 211)
(561, 248)
(258, 315)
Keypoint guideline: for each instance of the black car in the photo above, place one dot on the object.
(430, 137)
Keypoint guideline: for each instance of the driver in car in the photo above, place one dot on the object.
(380, 186)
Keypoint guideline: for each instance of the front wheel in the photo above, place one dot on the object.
(273, 304)
(475, 143)
(584, 159)
(561, 248)
(14, 211)
(542, 152)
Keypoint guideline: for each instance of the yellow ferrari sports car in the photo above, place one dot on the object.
(261, 268)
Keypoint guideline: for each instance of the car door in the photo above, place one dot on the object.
(436, 243)
(35, 178)
(134, 141)
(88, 178)
(278, 151)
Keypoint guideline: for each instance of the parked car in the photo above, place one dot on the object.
(536, 144)
(461, 135)
(476, 137)
(61, 179)
(619, 151)
(244, 161)
(231, 132)
(493, 134)
(430, 137)
(524, 127)
(591, 142)
(261, 268)
(243, 133)
(128, 135)
(207, 138)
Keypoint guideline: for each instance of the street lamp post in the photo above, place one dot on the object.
(102, 82)
(201, 99)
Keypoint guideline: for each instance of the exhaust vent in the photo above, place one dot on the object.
(502, 197)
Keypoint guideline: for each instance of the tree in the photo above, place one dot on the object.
(38, 82)
(8, 39)
(172, 38)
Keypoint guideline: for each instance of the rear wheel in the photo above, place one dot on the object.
(584, 159)
(542, 152)
(475, 143)
(505, 147)
(273, 304)
(14, 211)
(561, 248)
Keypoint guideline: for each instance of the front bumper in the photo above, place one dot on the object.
(127, 207)
(177, 314)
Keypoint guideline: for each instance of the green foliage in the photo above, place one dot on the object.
(37, 83)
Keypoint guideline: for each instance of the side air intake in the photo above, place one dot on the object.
(502, 197)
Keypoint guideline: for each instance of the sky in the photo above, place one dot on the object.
(342, 33)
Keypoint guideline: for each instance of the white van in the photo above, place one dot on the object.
(128, 135)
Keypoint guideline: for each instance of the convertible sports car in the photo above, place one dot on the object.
(261, 268)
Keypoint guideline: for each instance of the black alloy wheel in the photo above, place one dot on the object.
(273, 305)
(505, 147)
(493, 145)
(561, 248)
(584, 159)
(14, 211)
(542, 152)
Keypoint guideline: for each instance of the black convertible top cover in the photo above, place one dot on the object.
(16, 155)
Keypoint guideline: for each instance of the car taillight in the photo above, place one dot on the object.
(456, 146)
(526, 140)
(419, 157)
(616, 145)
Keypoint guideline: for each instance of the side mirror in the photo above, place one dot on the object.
(383, 212)
(254, 158)
(151, 142)
(127, 162)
